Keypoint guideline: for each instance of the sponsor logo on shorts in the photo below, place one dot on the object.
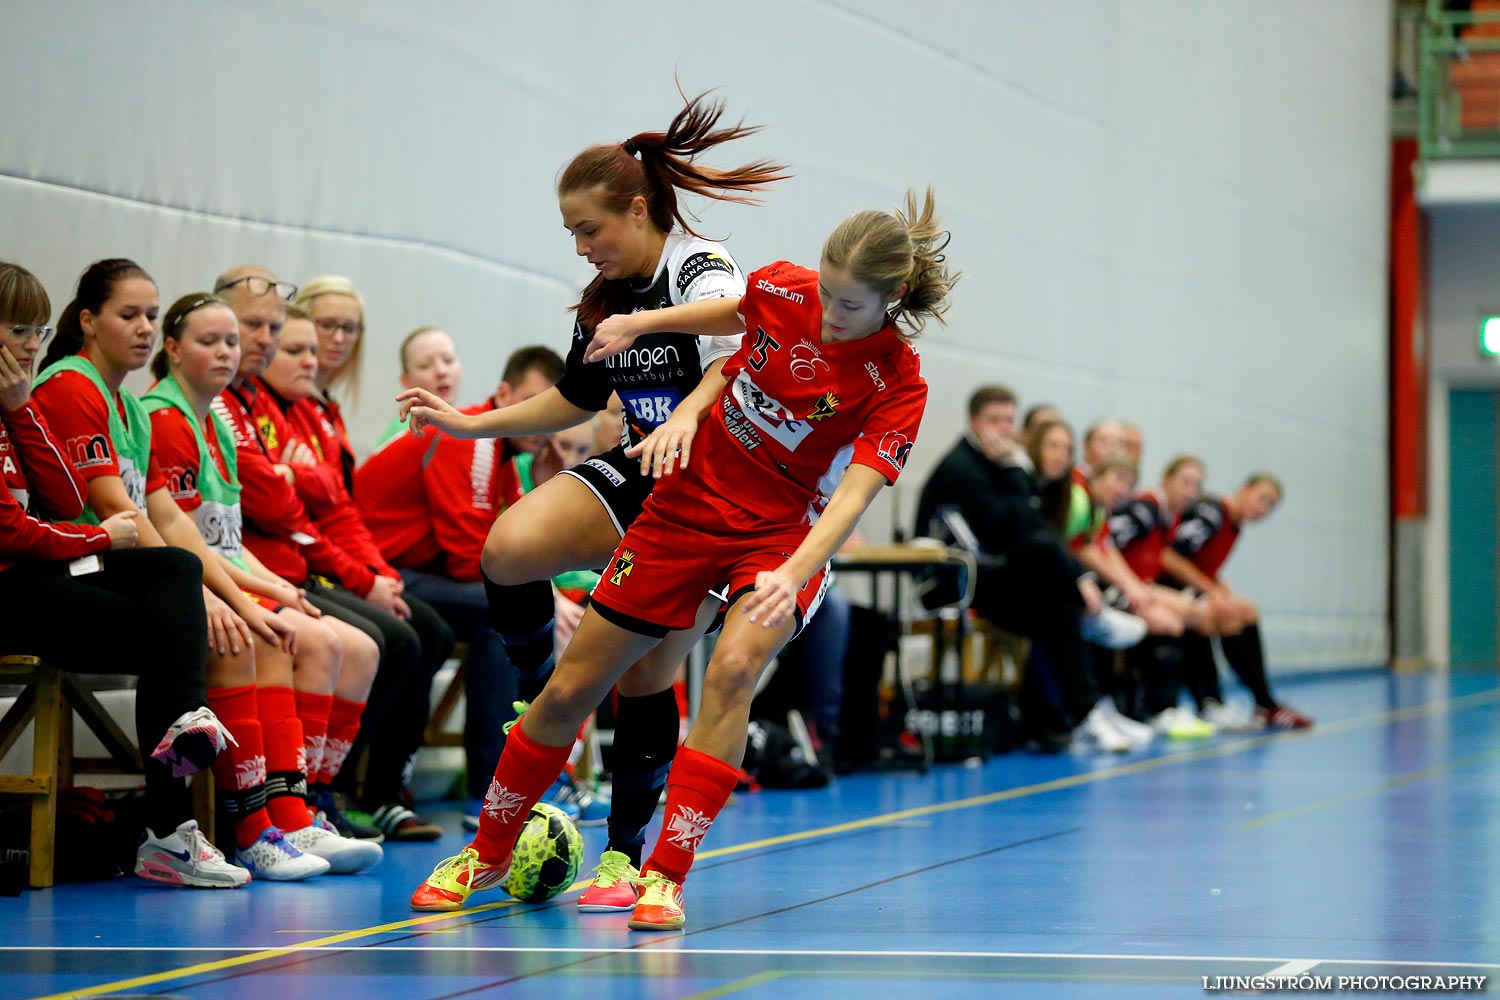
(607, 471)
(779, 292)
(624, 566)
(697, 266)
(894, 448)
(88, 450)
(827, 406)
(806, 360)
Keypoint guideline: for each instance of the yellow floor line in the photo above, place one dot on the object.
(1384, 786)
(1059, 784)
(759, 979)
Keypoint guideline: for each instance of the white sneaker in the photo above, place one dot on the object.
(1178, 723)
(186, 857)
(1230, 717)
(344, 855)
(1114, 629)
(1138, 733)
(192, 742)
(1097, 731)
(271, 857)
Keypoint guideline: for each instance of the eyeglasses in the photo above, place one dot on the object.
(328, 325)
(23, 331)
(258, 286)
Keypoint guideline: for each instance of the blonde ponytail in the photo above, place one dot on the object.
(888, 249)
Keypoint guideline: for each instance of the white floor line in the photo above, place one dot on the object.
(1289, 966)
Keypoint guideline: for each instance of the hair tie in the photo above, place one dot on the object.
(630, 147)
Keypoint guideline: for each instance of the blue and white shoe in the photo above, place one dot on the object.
(273, 858)
(583, 807)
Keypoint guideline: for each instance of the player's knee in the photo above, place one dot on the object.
(733, 673)
(319, 653)
(232, 669)
(503, 560)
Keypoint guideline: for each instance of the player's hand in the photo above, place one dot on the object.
(1093, 600)
(384, 595)
(227, 631)
(566, 617)
(286, 472)
(775, 598)
(271, 627)
(297, 453)
(15, 381)
(666, 447)
(613, 335)
(122, 528)
(422, 409)
(995, 445)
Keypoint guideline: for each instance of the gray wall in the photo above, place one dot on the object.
(1169, 211)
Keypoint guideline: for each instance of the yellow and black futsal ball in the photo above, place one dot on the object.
(548, 854)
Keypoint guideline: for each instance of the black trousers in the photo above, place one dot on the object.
(395, 716)
(1034, 593)
(142, 614)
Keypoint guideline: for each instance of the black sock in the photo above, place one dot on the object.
(1247, 659)
(645, 742)
(1200, 671)
(522, 616)
(1158, 659)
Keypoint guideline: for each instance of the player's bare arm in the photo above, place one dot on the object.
(1178, 565)
(541, 414)
(673, 440)
(775, 594)
(705, 318)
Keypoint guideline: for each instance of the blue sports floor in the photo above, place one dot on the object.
(1368, 846)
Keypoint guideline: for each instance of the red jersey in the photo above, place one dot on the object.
(1205, 534)
(1141, 528)
(174, 448)
(278, 528)
(38, 477)
(797, 412)
(79, 419)
(323, 418)
(430, 501)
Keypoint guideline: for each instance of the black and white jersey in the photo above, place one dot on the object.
(660, 369)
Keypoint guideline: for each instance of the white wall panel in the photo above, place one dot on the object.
(1168, 210)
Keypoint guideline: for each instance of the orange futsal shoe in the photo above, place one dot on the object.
(660, 908)
(454, 878)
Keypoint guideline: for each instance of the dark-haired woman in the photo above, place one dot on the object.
(106, 332)
(619, 201)
(776, 470)
(58, 576)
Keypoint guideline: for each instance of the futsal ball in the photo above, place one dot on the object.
(547, 857)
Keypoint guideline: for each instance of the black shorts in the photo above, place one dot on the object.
(618, 483)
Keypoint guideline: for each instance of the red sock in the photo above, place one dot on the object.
(286, 768)
(697, 789)
(313, 710)
(526, 770)
(240, 771)
(343, 726)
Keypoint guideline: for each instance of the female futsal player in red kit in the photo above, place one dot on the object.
(766, 468)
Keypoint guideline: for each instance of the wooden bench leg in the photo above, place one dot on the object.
(46, 744)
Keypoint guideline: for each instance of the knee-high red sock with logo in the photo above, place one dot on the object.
(286, 771)
(343, 726)
(313, 709)
(240, 771)
(526, 770)
(697, 789)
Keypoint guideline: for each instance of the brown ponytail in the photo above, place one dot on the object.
(887, 249)
(656, 166)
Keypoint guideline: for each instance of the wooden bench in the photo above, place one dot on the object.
(50, 698)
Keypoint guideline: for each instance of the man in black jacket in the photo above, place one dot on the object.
(1031, 585)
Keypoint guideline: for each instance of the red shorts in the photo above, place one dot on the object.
(655, 581)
